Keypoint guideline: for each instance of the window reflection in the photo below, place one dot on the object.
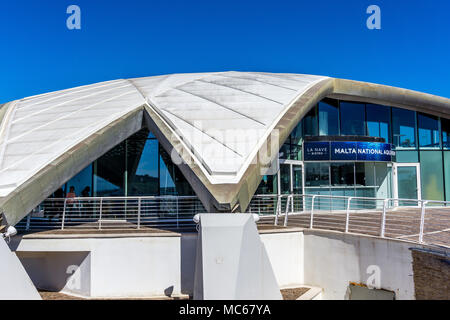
(445, 125)
(342, 174)
(352, 118)
(378, 121)
(171, 180)
(142, 164)
(317, 174)
(136, 167)
(428, 131)
(404, 128)
(328, 117)
(109, 172)
(310, 123)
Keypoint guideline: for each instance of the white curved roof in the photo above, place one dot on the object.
(223, 118)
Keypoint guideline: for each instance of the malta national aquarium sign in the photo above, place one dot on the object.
(348, 150)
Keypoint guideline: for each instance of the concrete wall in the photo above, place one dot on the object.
(332, 260)
(15, 282)
(158, 265)
(285, 251)
(114, 267)
(67, 272)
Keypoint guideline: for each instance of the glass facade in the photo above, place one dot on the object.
(328, 118)
(352, 119)
(138, 166)
(429, 136)
(378, 122)
(417, 138)
(404, 128)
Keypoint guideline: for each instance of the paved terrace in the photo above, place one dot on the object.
(401, 223)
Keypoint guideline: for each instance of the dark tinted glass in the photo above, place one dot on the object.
(404, 128)
(310, 123)
(445, 125)
(428, 131)
(328, 117)
(352, 118)
(317, 174)
(378, 121)
(342, 174)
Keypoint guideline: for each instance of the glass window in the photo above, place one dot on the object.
(404, 128)
(432, 175)
(317, 174)
(328, 117)
(342, 174)
(268, 185)
(445, 125)
(383, 180)
(285, 178)
(352, 119)
(428, 131)
(142, 165)
(447, 174)
(285, 151)
(171, 179)
(407, 156)
(310, 123)
(82, 183)
(109, 173)
(297, 134)
(378, 121)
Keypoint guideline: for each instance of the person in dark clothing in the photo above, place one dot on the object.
(58, 203)
(86, 192)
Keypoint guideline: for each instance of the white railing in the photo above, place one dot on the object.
(424, 221)
(172, 212)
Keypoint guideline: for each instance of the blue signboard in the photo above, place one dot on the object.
(316, 151)
(348, 151)
(343, 151)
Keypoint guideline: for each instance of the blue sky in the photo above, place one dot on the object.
(123, 39)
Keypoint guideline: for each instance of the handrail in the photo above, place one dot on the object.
(374, 216)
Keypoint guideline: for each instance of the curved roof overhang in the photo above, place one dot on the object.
(169, 106)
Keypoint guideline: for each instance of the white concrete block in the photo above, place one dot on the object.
(232, 262)
(15, 282)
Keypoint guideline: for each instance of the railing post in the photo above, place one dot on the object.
(383, 218)
(100, 215)
(278, 209)
(178, 223)
(139, 213)
(288, 201)
(28, 222)
(422, 220)
(312, 212)
(347, 218)
(63, 215)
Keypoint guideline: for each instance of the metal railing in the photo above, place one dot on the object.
(171, 212)
(424, 221)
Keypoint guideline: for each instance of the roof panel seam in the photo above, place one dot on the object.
(237, 89)
(221, 105)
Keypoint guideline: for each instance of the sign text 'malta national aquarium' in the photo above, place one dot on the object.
(352, 151)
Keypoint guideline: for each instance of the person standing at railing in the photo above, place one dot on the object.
(56, 207)
(71, 203)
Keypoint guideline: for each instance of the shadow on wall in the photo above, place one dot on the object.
(67, 272)
(188, 253)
